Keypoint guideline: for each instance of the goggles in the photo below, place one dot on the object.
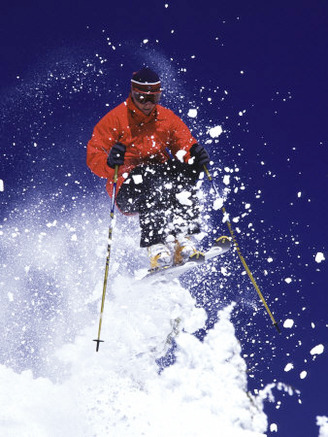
(147, 97)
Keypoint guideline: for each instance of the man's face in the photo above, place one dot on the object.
(146, 102)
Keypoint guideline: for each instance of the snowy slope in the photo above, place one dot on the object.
(53, 383)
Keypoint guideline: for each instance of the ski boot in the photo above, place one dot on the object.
(160, 256)
(186, 250)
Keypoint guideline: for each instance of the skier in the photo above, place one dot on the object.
(159, 165)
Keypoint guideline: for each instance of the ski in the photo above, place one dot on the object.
(221, 245)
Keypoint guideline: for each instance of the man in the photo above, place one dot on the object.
(159, 164)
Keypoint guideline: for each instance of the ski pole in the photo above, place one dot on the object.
(110, 232)
(242, 259)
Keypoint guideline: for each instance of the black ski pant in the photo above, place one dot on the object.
(164, 195)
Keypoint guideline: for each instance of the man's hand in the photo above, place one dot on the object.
(200, 155)
(116, 155)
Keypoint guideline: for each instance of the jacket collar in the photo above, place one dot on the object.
(137, 115)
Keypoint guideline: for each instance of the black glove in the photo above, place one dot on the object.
(200, 154)
(116, 155)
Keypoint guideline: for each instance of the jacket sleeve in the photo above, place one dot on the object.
(181, 138)
(104, 136)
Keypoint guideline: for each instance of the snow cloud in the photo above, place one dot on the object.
(60, 270)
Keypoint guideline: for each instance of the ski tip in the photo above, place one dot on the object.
(223, 241)
(98, 341)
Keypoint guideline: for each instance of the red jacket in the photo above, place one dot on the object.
(145, 136)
